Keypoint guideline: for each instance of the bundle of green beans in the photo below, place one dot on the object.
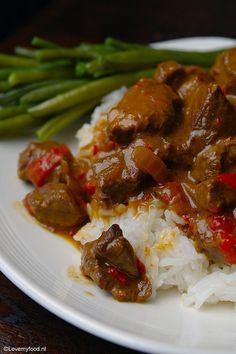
(46, 87)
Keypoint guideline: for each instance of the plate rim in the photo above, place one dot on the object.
(90, 325)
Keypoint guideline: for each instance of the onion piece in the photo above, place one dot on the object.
(149, 163)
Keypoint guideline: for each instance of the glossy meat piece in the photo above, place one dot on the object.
(169, 72)
(206, 116)
(33, 151)
(60, 173)
(194, 76)
(113, 247)
(202, 74)
(121, 173)
(224, 72)
(215, 114)
(181, 78)
(54, 205)
(135, 288)
(117, 175)
(215, 159)
(91, 267)
(43, 162)
(138, 290)
(214, 196)
(147, 105)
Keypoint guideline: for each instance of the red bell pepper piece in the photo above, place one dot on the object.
(141, 266)
(227, 178)
(81, 175)
(223, 227)
(228, 247)
(39, 169)
(95, 149)
(89, 188)
(224, 223)
(119, 276)
(228, 241)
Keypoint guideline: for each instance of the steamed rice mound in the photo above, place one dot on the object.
(169, 255)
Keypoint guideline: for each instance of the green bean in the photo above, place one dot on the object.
(39, 74)
(26, 52)
(49, 91)
(99, 67)
(25, 78)
(49, 66)
(54, 65)
(14, 61)
(4, 73)
(97, 49)
(5, 86)
(86, 46)
(81, 69)
(16, 93)
(8, 112)
(143, 58)
(94, 89)
(40, 42)
(61, 121)
(84, 51)
(121, 45)
(11, 125)
(57, 53)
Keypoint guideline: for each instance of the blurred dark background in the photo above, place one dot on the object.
(70, 21)
(22, 321)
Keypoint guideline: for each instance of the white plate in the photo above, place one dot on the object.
(37, 262)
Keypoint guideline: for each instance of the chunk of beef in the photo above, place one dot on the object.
(169, 72)
(206, 116)
(91, 267)
(215, 115)
(214, 195)
(122, 173)
(32, 152)
(194, 76)
(114, 248)
(215, 159)
(202, 74)
(43, 162)
(224, 72)
(104, 261)
(181, 78)
(54, 205)
(117, 175)
(147, 105)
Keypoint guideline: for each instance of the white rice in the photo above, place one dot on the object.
(170, 257)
